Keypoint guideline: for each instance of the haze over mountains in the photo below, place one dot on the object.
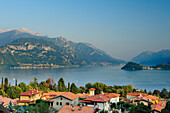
(25, 48)
(153, 58)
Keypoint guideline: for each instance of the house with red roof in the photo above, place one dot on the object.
(77, 109)
(131, 96)
(6, 100)
(29, 97)
(102, 101)
(65, 98)
(158, 107)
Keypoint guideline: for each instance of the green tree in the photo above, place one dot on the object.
(2, 83)
(98, 90)
(167, 108)
(34, 85)
(164, 93)
(2, 92)
(74, 88)
(14, 91)
(141, 91)
(156, 92)
(68, 86)
(82, 89)
(23, 86)
(150, 92)
(88, 86)
(16, 82)
(6, 83)
(61, 85)
(145, 91)
(29, 87)
(43, 86)
(140, 108)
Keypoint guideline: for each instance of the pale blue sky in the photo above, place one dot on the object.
(123, 28)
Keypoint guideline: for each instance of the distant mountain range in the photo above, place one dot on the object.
(28, 49)
(153, 58)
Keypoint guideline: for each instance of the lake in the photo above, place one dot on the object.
(112, 75)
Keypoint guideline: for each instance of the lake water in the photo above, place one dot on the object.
(112, 75)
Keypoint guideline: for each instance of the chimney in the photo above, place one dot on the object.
(108, 95)
(100, 97)
(80, 107)
(72, 107)
(162, 104)
(32, 93)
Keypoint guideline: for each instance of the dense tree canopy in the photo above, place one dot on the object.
(23, 86)
(14, 91)
(74, 88)
(44, 86)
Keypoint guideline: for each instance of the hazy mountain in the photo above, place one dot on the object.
(7, 36)
(153, 58)
(25, 49)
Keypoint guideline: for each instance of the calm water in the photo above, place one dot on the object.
(149, 79)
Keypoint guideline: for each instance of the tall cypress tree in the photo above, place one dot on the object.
(16, 82)
(61, 85)
(2, 83)
(6, 83)
(68, 86)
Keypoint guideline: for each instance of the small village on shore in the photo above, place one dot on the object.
(47, 97)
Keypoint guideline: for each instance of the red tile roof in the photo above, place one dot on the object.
(159, 106)
(68, 109)
(91, 89)
(83, 95)
(68, 95)
(151, 97)
(101, 97)
(136, 94)
(7, 100)
(30, 93)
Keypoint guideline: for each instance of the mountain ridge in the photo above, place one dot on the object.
(153, 58)
(27, 50)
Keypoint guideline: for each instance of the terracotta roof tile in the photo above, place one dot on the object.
(92, 89)
(136, 94)
(83, 95)
(152, 97)
(7, 100)
(159, 106)
(102, 97)
(30, 93)
(68, 109)
(68, 95)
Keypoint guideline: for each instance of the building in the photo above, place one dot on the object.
(83, 95)
(158, 107)
(47, 96)
(66, 98)
(6, 100)
(29, 97)
(132, 96)
(77, 109)
(91, 90)
(102, 101)
(146, 99)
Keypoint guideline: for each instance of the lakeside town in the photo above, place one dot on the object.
(50, 97)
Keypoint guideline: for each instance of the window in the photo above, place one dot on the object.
(61, 98)
(67, 103)
(56, 103)
(60, 103)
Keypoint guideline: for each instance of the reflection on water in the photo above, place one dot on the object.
(149, 79)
